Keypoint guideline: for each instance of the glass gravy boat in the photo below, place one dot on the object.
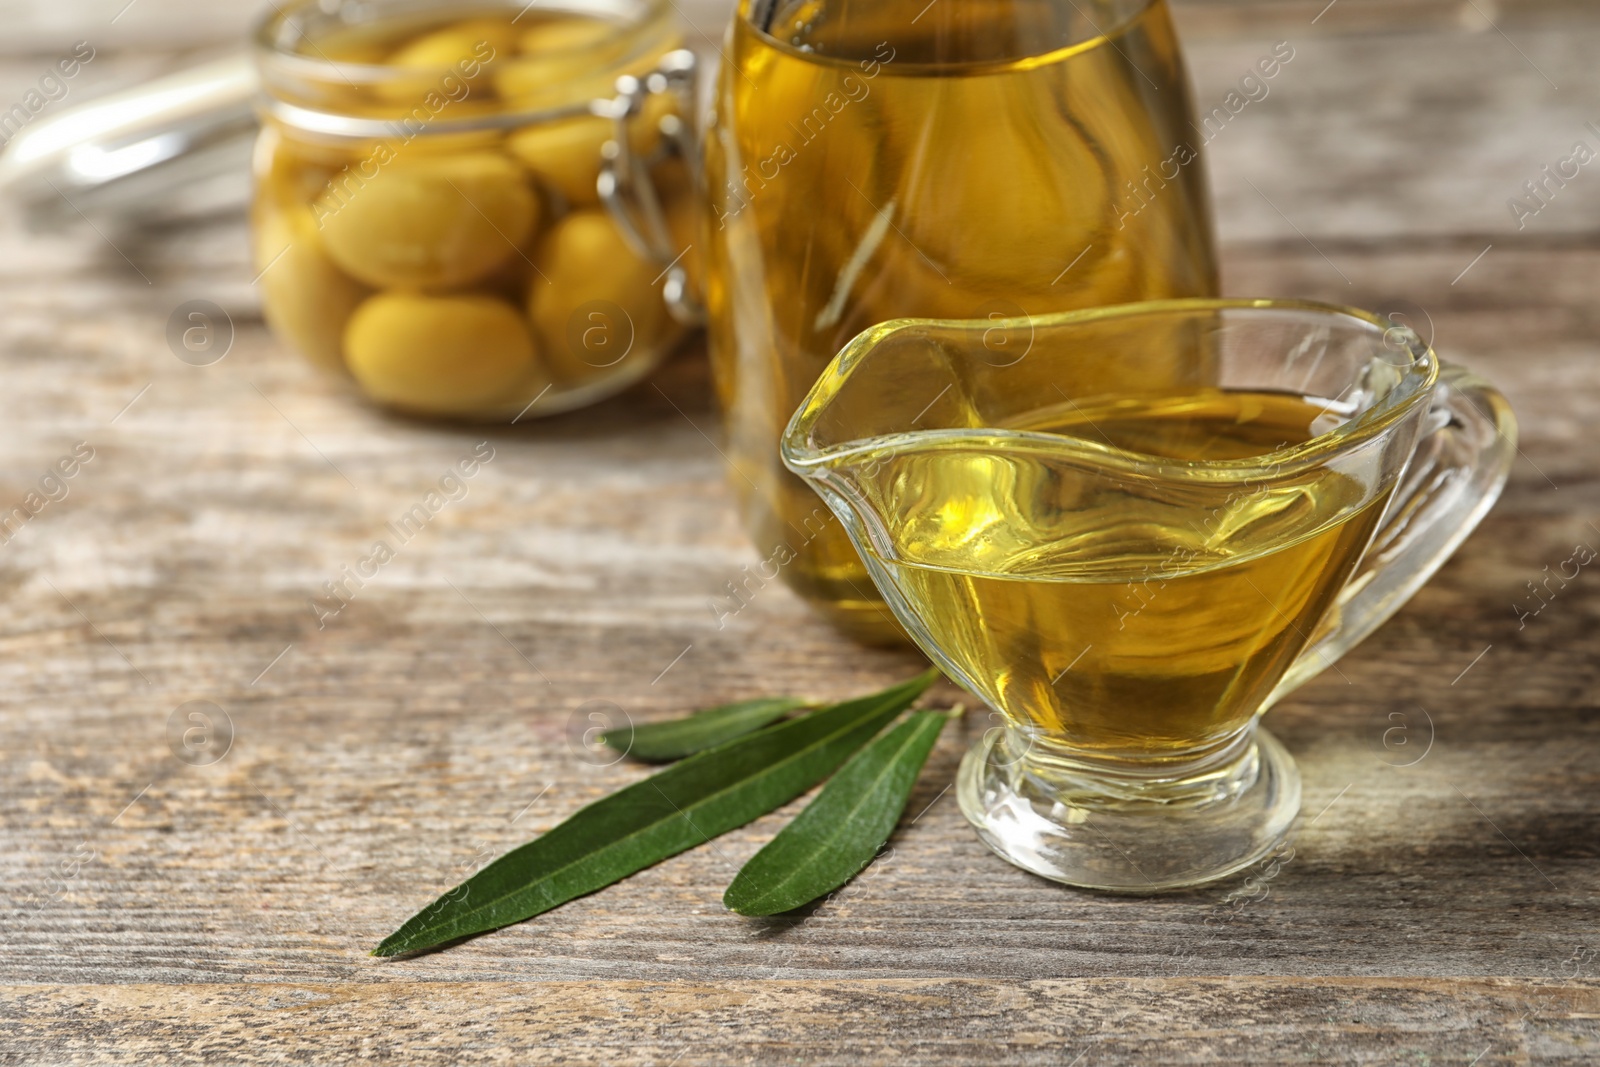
(1132, 529)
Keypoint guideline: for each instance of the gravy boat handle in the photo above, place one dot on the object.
(1452, 480)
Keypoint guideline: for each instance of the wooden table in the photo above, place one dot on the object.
(162, 912)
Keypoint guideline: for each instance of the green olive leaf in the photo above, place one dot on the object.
(683, 806)
(840, 831)
(662, 742)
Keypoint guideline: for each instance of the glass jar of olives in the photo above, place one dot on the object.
(476, 212)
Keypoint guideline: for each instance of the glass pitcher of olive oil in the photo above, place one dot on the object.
(971, 159)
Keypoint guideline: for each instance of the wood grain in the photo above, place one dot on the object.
(158, 911)
(1150, 1021)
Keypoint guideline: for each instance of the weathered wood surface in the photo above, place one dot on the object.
(155, 911)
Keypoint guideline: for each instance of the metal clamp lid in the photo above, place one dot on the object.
(627, 189)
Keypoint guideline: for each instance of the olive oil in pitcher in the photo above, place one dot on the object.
(965, 159)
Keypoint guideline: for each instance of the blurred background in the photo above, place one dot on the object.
(1396, 119)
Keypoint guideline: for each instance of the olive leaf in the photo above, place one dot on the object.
(661, 742)
(840, 831)
(685, 805)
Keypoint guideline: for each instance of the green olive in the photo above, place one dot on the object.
(481, 39)
(565, 155)
(553, 36)
(572, 57)
(532, 82)
(304, 297)
(593, 302)
(292, 171)
(351, 44)
(557, 54)
(466, 50)
(426, 221)
(439, 355)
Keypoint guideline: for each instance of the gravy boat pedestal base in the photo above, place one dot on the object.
(1066, 820)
